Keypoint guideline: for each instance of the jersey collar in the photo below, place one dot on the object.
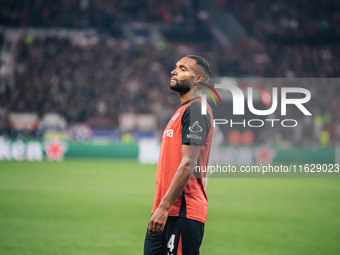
(190, 100)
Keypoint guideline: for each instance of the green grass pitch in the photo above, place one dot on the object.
(85, 207)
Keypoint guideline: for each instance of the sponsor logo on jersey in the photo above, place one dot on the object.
(176, 116)
(195, 128)
(168, 133)
(194, 136)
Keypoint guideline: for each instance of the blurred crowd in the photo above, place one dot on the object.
(112, 74)
(109, 15)
(108, 78)
(288, 21)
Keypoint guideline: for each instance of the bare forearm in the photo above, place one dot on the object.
(177, 185)
(180, 180)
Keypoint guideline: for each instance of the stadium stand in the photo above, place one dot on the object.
(57, 67)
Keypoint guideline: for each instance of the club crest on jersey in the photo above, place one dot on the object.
(168, 133)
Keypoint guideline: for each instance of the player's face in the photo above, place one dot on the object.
(182, 75)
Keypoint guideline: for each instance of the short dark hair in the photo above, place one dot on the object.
(203, 64)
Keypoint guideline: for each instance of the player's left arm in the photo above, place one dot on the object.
(184, 171)
(195, 128)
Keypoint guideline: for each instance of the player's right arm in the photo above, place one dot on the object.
(184, 171)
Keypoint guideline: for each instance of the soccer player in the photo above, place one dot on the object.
(180, 205)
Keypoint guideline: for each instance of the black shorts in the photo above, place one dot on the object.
(180, 236)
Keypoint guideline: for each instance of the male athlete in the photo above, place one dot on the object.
(180, 206)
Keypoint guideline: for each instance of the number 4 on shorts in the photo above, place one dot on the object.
(171, 242)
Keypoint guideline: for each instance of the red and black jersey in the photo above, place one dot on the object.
(187, 126)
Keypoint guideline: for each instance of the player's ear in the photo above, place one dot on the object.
(199, 78)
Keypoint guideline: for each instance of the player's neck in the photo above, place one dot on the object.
(189, 95)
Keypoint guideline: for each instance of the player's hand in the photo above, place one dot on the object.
(157, 221)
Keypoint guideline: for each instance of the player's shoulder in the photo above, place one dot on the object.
(193, 111)
(195, 108)
(193, 105)
(196, 104)
(192, 108)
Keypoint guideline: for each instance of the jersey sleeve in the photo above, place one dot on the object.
(195, 126)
